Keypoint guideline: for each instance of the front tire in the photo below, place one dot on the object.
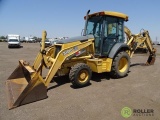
(80, 75)
(120, 65)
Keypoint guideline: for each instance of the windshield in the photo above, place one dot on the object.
(94, 25)
(107, 32)
(13, 40)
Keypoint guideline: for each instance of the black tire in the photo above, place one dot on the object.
(80, 75)
(120, 65)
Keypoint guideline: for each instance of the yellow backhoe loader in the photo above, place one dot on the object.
(100, 49)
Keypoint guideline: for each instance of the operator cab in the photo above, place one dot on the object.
(107, 28)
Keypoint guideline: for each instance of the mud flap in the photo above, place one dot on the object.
(25, 86)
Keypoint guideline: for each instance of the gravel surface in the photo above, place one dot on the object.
(102, 100)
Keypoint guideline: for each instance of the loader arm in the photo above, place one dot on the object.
(26, 84)
(61, 57)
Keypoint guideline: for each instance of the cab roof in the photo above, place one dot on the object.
(110, 13)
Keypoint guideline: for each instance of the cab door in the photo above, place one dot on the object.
(113, 33)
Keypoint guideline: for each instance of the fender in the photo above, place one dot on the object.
(117, 47)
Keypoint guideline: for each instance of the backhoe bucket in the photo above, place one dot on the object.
(151, 60)
(24, 86)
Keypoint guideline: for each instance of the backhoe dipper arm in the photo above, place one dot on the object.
(150, 47)
(148, 42)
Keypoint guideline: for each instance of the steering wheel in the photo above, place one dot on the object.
(111, 35)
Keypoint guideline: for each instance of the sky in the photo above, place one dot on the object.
(66, 17)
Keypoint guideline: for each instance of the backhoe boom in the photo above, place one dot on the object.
(135, 40)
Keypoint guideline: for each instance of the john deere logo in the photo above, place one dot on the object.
(126, 112)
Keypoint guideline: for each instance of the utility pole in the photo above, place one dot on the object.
(156, 40)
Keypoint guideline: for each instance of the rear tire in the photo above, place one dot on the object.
(80, 75)
(120, 65)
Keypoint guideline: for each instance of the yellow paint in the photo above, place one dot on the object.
(110, 13)
(100, 65)
(123, 65)
(83, 76)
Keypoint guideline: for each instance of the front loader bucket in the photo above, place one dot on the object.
(24, 86)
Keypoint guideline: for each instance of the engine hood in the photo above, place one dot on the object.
(73, 39)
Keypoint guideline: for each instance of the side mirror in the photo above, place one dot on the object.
(83, 30)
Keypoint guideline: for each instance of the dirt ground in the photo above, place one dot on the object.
(102, 100)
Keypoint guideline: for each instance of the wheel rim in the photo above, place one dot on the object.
(83, 76)
(123, 65)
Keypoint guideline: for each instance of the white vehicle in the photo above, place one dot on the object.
(55, 41)
(24, 39)
(47, 43)
(31, 40)
(13, 40)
